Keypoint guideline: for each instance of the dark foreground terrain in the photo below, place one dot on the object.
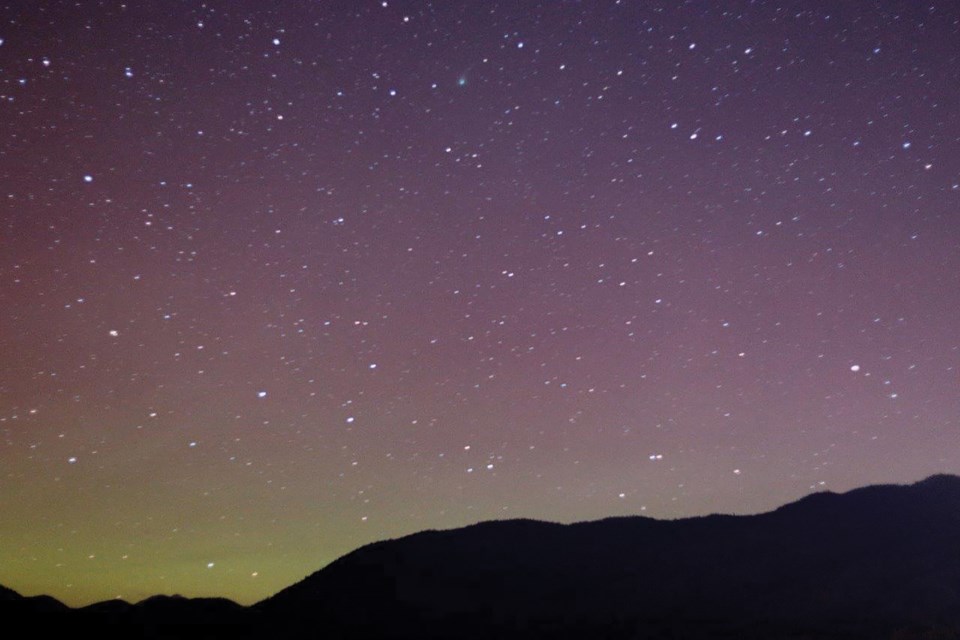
(878, 562)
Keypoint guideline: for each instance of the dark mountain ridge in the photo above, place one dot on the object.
(870, 563)
(884, 556)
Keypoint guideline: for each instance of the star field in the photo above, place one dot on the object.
(281, 279)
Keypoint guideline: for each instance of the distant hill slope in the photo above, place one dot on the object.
(12, 602)
(166, 610)
(868, 561)
(8, 595)
(878, 562)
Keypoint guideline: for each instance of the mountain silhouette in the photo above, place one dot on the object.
(877, 562)
(13, 602)
(166, 609)
(877, 558)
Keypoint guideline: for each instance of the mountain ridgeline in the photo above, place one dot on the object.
(877, 562)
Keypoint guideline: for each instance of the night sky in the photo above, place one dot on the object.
(279, 279)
